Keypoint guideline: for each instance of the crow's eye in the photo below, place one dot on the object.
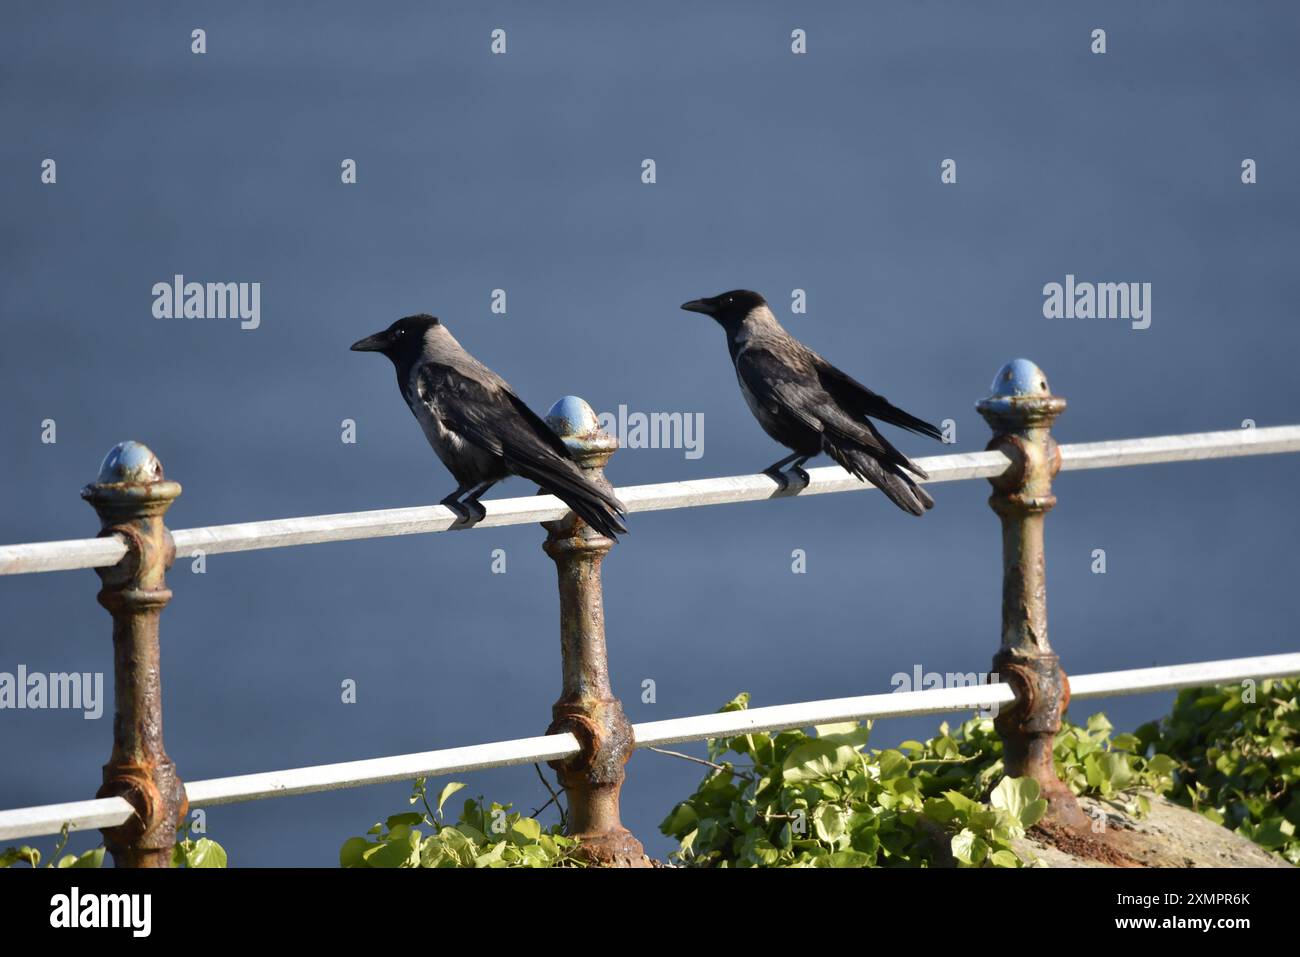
(400, 332)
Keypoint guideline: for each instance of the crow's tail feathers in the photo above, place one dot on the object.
(596, 512)
(886, 476)
(598, 508)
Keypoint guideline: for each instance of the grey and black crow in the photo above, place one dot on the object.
(809, 406)
(479, 428)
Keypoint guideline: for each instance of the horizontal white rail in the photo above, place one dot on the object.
(50, 818)
(402, 767)
(109, 812)
(969, 698)
(347, 526)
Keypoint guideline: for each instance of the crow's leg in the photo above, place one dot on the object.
(797, 469)
(782, 479)
(774, 472)
(471, 501)
(462, 513)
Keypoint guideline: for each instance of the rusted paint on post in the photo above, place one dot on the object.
(1021, 411)
(587, 706)
(130, 497)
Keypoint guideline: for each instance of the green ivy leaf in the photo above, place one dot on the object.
(969, 848)
(682, 819)
(447, 792)
(739, 703)
(205, 853)
(848, 859)
(352, 853)
(892, 764)
(526, 830)
(818, 759)
(828, 821)
(1019, 798)
(1161, 764)
(1273, 833)
(850, 733)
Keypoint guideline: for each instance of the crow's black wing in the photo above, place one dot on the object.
(786, 384)
(859, 401)
(538, 425)
(487, 413)
(779, 386)
(785, 381)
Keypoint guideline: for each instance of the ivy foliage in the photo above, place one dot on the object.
(13, 856)
(203, 852)
(187, 853)
(794, 799)
(1237, 753)
(824, 800)
(485, 835)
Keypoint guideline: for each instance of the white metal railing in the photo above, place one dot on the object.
(347, 526)
(110, 812)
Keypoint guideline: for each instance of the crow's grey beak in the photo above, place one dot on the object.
(376, 343)
(699, 305)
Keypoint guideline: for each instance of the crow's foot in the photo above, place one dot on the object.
(793, 481)
(465, 516)
(780, 478)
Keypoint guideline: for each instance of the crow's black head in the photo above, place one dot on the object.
(405, 336)
(729, 308)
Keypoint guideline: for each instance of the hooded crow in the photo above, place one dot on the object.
(809, 406)
(479, 428)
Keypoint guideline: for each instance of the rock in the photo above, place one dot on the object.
(1170, 836)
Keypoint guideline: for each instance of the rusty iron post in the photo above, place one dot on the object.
(1021, 411)
(130, 497)
(587, 707)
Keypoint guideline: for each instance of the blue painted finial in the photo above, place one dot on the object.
(1020, 398)
(1020, 377)
(130, 462)
(571, 417)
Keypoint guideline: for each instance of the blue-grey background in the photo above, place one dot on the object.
(522, 172)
